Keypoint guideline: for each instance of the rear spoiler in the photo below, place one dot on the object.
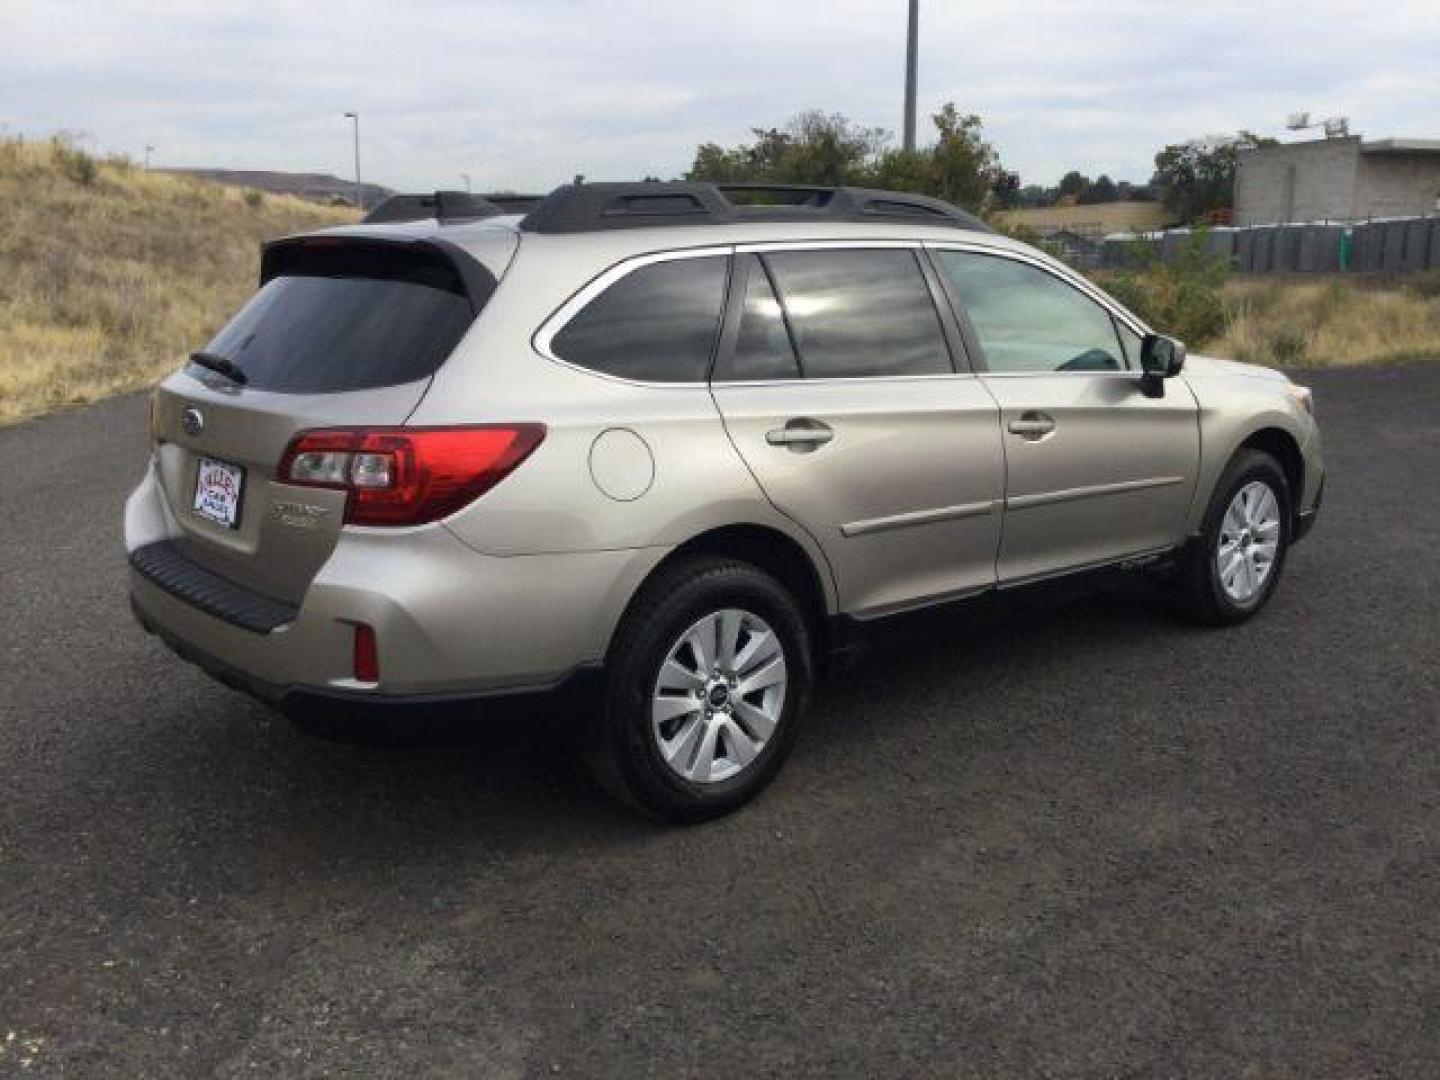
(449, 206)
(309, 254)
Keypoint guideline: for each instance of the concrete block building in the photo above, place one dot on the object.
(1344, 179)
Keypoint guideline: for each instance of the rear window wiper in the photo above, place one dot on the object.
(221, 365)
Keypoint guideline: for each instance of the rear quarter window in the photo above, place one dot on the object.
(348, 317)
(658, 323)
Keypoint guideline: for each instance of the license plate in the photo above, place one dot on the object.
(217, 492)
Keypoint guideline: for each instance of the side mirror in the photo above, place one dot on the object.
(1161, 357)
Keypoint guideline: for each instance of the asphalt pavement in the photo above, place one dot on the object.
(1087, 840)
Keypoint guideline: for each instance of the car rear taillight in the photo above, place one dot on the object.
(408, 476)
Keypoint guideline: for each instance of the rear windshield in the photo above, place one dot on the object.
(347, 317)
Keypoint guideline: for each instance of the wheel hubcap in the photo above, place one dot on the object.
(719, 696)
(1249, 541)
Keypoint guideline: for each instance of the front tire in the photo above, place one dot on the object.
(709, 673)
(1233, 567)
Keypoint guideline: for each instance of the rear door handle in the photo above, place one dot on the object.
(1032, 425)
(800, 435)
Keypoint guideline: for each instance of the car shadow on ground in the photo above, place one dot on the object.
(515, 780)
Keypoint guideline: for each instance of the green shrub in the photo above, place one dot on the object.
(1289, 345)
(1425, 285)
(1182, 298)
(75, 164)
(254, 199)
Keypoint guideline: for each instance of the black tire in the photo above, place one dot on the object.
(1202, 595)
(624, 754)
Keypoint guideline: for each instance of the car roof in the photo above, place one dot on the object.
(474, 234)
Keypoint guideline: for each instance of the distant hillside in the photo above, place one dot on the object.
(316, 187)
(110, 276)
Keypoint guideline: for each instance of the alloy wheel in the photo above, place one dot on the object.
(1249, 541)
(719, 696)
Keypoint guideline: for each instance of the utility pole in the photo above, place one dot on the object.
(466, 177)
(354, 117)
(148, 151)
(912, 44)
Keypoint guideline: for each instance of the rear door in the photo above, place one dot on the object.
(341, 333)
(837, 385)
(1098, 469)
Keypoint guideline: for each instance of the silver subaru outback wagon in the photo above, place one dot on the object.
(672, 446)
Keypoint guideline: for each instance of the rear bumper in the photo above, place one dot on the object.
(575, 687)
(452, 624)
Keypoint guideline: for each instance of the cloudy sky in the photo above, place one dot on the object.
(525, 93)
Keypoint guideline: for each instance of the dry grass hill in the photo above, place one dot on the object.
(110, 275)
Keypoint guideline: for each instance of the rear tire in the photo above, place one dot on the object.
(709, 673)
(1232, 569)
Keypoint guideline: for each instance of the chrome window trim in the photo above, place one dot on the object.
(760, 247)
(1060, 273)
(842, 380)
(544, 338)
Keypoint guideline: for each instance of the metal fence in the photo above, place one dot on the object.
(1395, 246)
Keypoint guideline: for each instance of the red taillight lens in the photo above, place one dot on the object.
(367, 654)
(408, 476)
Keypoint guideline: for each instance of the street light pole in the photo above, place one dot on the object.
(912, 43)
(466, 177)
(354, 117)
(148, 150)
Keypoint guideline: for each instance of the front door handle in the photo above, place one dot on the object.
(1032, 425)
(800, 435)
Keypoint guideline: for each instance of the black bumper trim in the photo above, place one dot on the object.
(165, 565)
(578, 684)
(1305, 519)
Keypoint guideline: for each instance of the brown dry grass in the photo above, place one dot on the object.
(110, 275)
(1330, 322)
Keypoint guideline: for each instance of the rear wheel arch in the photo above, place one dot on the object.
(778, 554)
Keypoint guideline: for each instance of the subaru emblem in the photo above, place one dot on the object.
(192, 421)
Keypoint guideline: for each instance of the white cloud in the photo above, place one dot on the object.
(525, 94)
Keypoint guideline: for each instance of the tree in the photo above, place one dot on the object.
(965, 164)
(1074, 183)
(1128, 192)
(813, 148)
(1103, 190)
(826, 148)
(1196, 177)
(1006, 189)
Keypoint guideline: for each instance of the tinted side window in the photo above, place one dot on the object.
(762, 346)
(1028, 320)
(656, 324)
(860, 312)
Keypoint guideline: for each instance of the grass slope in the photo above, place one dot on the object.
(1330, 322)
(110, 275)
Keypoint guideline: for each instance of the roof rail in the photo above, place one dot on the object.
(442, 206)
(596, 207)
(511, 203)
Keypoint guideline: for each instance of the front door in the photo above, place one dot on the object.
(1097, 469)
(836, 385)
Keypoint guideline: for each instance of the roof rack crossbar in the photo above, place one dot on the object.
(598, 207)
(442, 206)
